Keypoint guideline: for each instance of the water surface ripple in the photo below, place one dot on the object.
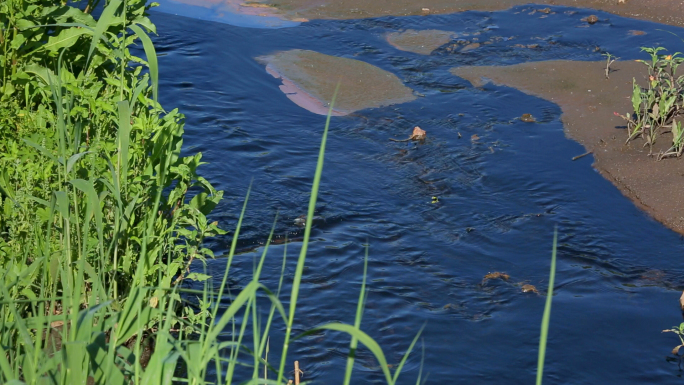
(500, 197)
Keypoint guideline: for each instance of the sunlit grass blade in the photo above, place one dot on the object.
(151, 54)
(363, 338)
(397, 372)
(233, 246)
(357, 322)
(547, 312)
(422, 362)
(103, 23)
(122, 140)
(307, 234)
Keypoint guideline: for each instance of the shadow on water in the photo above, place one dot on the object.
(500, 195)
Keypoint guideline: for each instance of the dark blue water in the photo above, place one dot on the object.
(500, 197)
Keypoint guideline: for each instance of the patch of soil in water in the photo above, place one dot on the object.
(662, 11)
(420, 42)
(588, 101)
(309, 79)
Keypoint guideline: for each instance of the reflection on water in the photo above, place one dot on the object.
(233, 12)
(499, 198)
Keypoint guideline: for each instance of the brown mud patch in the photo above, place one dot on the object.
(420, 42)
(588, 101)
(309, 80)
(661, 11)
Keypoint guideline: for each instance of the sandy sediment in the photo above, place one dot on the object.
(420, 42)
(662, 11)
(588, 101)
(309, 79)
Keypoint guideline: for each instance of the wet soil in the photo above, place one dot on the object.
(588, 101)
(310, 78)
(661, 11)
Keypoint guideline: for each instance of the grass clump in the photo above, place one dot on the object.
(90, 163)
(101, 218)
(656, 108)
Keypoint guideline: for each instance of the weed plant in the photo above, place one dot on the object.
(101, 218)
(87, 341)
(657, 107)
(90, 165)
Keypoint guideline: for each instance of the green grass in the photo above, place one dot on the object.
(546, 318)
(97, 228)
(87, 353)
(102, 230)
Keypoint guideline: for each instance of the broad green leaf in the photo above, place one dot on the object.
(199, 277)
(44, 151)
(62, 204)
(123, 139)
(106, 19)
(73, 159)
(64, 39)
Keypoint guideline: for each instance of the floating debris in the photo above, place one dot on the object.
(582, 156)
(527, 288)
(418, 134)
(592, 19)
(300, 220)
(528, 118)
(496, 275)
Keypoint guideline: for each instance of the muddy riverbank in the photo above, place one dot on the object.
(662, 11)
(588, 101)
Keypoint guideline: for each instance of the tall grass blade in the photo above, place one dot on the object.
(357, 322)
(123, 139)
(397, 372)
(102, 24)
(422, 362)
(307, 234)
(547, 313)
(233, 246)
(151, 54)
(362, 337)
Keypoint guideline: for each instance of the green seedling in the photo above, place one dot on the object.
(610, 59)
(679, 331)
(677, 142)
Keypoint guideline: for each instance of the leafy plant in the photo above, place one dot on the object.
(655, 107)
(90, 165)
(679, 331)
(93, 334)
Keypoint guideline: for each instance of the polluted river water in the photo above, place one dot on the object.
(502, 184)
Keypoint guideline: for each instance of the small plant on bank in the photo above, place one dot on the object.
(610, 59)
(655, 107)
